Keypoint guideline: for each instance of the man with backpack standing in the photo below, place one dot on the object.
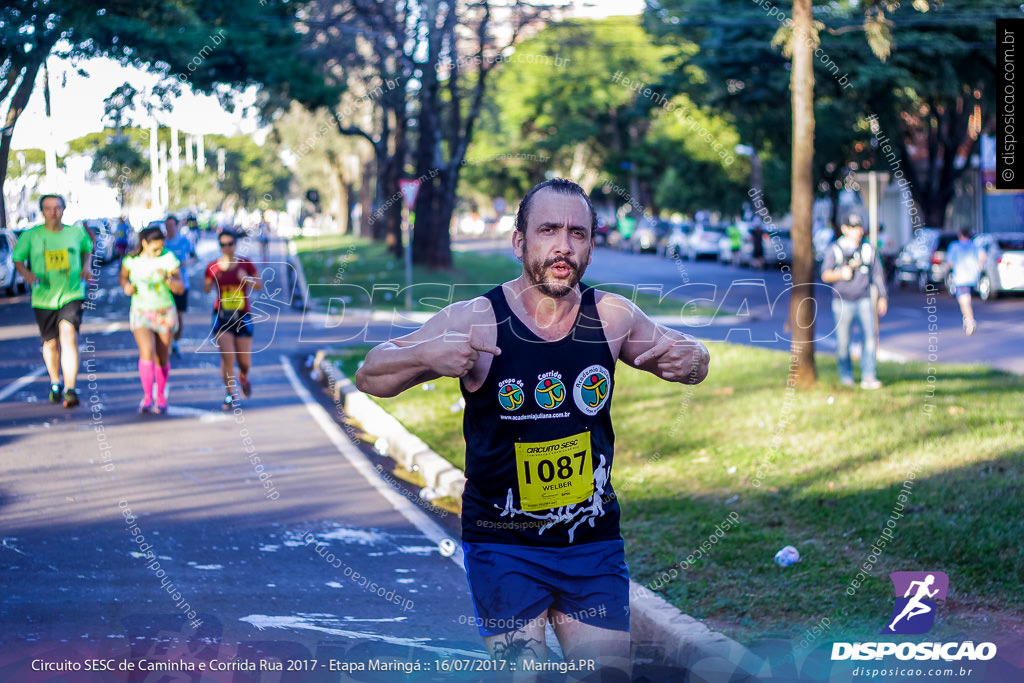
(852, 267)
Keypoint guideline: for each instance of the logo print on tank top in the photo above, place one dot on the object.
(550, 391)
(592, 388)
(510, 394)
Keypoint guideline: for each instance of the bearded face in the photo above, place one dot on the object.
(555, 276)
(557, 245)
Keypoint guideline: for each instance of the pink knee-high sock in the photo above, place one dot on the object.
(146, 373)
(162, 372)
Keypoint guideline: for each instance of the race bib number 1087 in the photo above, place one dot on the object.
(554, 473)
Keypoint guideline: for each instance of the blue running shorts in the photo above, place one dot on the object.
(514, 584)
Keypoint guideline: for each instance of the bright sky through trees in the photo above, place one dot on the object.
(77, 103)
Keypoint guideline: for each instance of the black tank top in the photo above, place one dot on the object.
(539, 439)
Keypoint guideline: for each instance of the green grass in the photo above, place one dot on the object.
(426, 413)
(369, 277)
(832, 462)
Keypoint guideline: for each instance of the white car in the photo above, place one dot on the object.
(1004, 264)
(678, 238)
(506, 224)
(11, 280)
(704, 241)
(470, 224)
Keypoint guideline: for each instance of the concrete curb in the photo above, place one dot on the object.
(659, 631)
(407, 449)
(299, 287)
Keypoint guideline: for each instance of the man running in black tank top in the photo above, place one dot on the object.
(536, 359)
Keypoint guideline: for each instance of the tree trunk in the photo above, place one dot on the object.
(429, 162)
(802, 307)
(349, 205)
(388, 223)
(18, 102)
(933, 184)
(366, 194)
(392, 172)
(933, 210)
(426, 233)
(335, 173)
(434, 208)
(756, 173)
(833, 197)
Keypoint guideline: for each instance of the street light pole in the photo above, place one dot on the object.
(410, 190)
(876, 181)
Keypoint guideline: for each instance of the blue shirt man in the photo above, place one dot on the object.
(181, 246)
(966, 260)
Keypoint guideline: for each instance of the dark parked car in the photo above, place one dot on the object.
(602, 232)
(923, 260)
(10, 279)
(650, 235)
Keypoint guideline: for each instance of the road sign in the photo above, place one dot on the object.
(409, 188)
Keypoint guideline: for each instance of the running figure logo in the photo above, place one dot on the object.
(598, 385)
(592, 389)
(914, 613)
(510, 394)
(550, 391)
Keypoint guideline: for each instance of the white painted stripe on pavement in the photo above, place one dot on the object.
(20, 383)
(416, 517)
(112, 328)
(203, 415)
(264, 621)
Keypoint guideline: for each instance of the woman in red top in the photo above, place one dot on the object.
(235, 277)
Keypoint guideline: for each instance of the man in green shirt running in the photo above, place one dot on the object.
(55, 260)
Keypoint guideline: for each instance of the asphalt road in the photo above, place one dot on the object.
(753, 307)
(141, 539)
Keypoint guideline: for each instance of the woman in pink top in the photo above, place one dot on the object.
(234, 277)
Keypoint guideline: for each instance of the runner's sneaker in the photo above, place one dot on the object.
(243, 381)
(969, 327)
(70, 398)
(145, 406)
(56, 391)
(228, 403)
(870, 384)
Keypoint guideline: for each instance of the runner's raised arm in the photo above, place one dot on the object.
(450, 344)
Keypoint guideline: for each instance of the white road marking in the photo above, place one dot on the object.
(203, 415)
(262, 621)
(20, 383)
(419, 519)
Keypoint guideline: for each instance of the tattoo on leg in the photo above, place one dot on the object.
(514, 648)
